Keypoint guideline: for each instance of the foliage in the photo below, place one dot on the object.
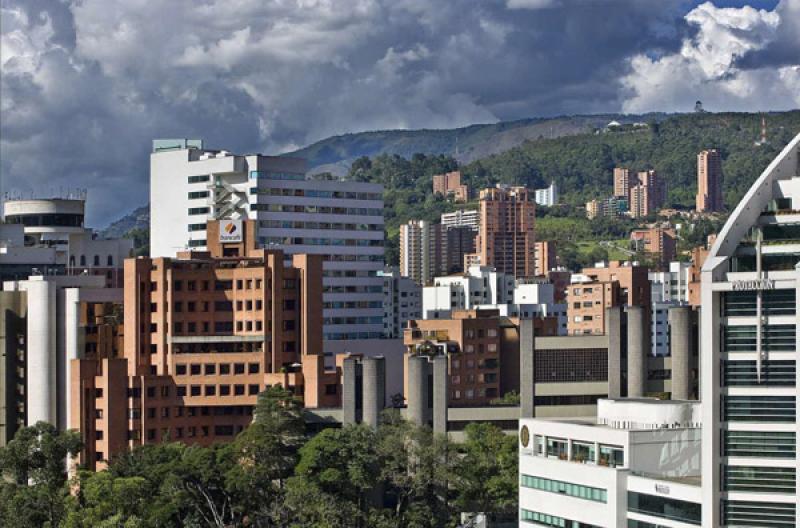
(396, 476)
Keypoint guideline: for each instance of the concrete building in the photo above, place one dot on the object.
(637, 464)
(449, 184)
(402, 301)
(668, 289)
(506, 236)
(340, 221)
(749, 343)
(548, 196)
(658, 243)
(47, 322)
(462, 218)
(204, 334)
(607, 207)
(545, 257)
(48, 237)
(423, 251)
(460, 242)
(709, 182)
(604, 286)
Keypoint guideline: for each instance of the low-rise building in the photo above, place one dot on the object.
(449, 184)
(636, 464)
(658, 243)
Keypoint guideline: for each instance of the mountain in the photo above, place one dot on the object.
(136, 220)
(336, 154)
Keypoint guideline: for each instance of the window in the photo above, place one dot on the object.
(194, 195)
(96, 260)
(747, 513)
(199, 179)
(252, 368)
(544, 519)
(758, 408)
(198, 210)
(224, 369)
(211, 390)
(224, 390)
(773, 338)
(238, 368)
(288, 325)
(210, 369)
(743, 303)
(238, 390)
(745, 373)
(109, 260)
(195, 369)
(612, 456)
(252, 390)
(772, 444)
(557, 448)
(194, 390)
(564, 488)
(665, 508)
(759, 479)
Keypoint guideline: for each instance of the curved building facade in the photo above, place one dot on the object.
(749, 344)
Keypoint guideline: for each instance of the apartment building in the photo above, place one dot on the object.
(47, 236)
(204, 333)
(613, 470)
(648, 195)
(462, 218)
(749, 355)
(340, 221)
(449, 184)
(610, 284)
(668, 289)
(709, 182)
(607, 207)
(506, 236)
(622, 182)
(402, 301)
(479, 285)
(423, 251)
(658, 243)
(545, 257)
(548, 196)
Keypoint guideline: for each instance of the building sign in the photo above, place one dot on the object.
(757, 284)
(230, 231)
(662, 488)
(525, 436)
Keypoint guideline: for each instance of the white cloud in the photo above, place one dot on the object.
(709, 68)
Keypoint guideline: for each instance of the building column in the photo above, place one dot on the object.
(637, 358)
(680, 348)
(613, 329)
(417, 390)
(74, 343)
(440, 391)
(373, 390)
(527, 345)
(41, 369)
(349, 398)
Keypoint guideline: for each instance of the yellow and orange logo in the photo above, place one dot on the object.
(230, 228)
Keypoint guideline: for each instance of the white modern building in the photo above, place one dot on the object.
(465, 218)
(637, 464)
(402, 301)
(48, 237)
(749, 354)
(547, 196)
(478, 287)
(341, 220)
(667, 289)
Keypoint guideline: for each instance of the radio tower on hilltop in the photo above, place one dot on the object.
(763, 139)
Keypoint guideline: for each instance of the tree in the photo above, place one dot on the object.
(487, 472)
(335, 479)
(33, 463)
(266, 454)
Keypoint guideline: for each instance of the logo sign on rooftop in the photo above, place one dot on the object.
(757, 285)
(230, 231)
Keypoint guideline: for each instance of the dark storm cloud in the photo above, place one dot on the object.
(87, 85)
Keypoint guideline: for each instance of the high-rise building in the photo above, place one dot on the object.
(749, 320)
(709, 182)
(423, 251)
(402, 301)
(545, 255)
(648, 195)
(204, 333)
(548, 196)
(449, 184)
(605, 286)
(506, 235)
(622, 182)
(341, 221)
(462, 218)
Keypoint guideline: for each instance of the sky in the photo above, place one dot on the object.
(87, 84)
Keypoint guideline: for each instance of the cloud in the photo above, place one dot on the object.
(86, 85)
(738, 59)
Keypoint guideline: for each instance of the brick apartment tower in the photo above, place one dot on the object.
(648, 195)
(622, 182)
(506, 238)
(709, 182)
(204, 333)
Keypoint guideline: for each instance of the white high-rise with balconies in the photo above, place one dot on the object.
(749, 354)
(341, 220)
